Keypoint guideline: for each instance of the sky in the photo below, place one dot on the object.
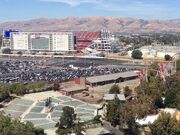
(12, 10)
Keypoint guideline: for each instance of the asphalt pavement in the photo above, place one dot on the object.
(113, 130)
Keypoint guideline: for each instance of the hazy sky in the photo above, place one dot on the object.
(144, 9)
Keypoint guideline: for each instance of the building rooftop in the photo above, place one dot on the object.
(109, 77)
(148, 119)
(75, 88)
(109, 97)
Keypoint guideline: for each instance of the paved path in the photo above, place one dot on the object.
(113, 130)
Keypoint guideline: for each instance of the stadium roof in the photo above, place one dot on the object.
(109, 97)
(103, 78)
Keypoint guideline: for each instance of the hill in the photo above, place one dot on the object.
(114, 24)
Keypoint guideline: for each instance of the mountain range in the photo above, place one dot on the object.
(94, 23)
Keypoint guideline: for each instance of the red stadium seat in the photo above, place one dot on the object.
(84, 38)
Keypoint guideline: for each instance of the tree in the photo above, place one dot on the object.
(127, 91)
(136, 54)
(112, 114)
(68, 117)
(128, 119)
(101, 54)
(165, 125)
(167, 57)
(3, 95)
(20, 89)
(172, 98)
(0, 40)
(19, 53)
(178, 65)
(158, 102)
(154, 66)
(114, 89)
(6, 51)
(97, 119)
(10, 126)
(56, 86)
(77, 129)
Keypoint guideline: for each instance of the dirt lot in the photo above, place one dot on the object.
(96, 93)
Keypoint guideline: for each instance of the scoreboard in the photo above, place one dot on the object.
(40, 42)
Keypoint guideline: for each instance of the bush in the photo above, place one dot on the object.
(136, 54)
(165, 125)
(96, 119)
(6, 51)
(10, 126)
(56, 86)
(63, 131)
(20, 53)
(127, 91)
(167, 57)
(21, 88)
(114, 90)
(3, 95)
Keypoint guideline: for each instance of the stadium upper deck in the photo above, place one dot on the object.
(84, 39)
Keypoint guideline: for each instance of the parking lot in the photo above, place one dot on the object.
(53, 70)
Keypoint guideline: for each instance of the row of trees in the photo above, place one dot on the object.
(8, 51)
(137, 54)
(147, 39)
(115, 89)
(22, 88)
(10, 126)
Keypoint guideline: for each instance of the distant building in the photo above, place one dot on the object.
(102, 44)
(40, 41)
(159, 51)
(6, 41)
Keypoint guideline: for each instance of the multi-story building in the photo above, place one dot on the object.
(42, 41)
(102, 44)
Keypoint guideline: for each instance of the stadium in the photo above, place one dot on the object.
(39, 41)
(99, 41)
(57, 41)
(84, 39)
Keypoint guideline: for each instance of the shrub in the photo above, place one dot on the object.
(136, 54)
(167, 57)
(6, 51)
